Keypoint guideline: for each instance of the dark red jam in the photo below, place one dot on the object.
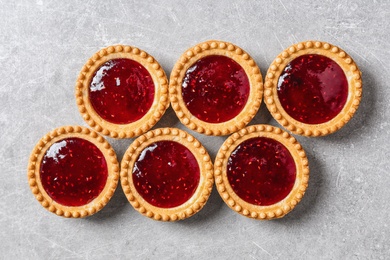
(215, 89)
(261, 171)
(313, 89)
(73, 172)
(121, 91)
(166, 174)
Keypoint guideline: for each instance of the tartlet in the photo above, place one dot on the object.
(73, 171)
(261, 172)
(215, 88)
(122, 91)
(167, 175)
(313, 88)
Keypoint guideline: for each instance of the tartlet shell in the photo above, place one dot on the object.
(156, 111)
(276, 210)
(33, 172)
(187, 59)
(202, 193)
(347, 64)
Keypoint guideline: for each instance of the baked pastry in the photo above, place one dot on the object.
(73, 171)
(122, 91)
(215, 88)
(167, 174)
(313, 88)
(261, 172)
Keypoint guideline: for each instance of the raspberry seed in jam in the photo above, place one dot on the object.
(121, 91)
(73, 172)
(215, 89)
(261, 171)
(312, 89)
(166, 174)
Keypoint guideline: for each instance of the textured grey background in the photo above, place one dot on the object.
(344, 214)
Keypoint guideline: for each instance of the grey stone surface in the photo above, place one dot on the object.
(344, 214)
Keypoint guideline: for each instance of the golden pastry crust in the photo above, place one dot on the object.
(34, 171)
(347, 64)
(160, 102)
(202, 193)
(276, 210)
(216, 48)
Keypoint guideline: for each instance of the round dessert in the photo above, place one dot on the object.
(167, 174)
(122, 91)
(313, 88)
(261, 172)
(73, 171)
(215, 88)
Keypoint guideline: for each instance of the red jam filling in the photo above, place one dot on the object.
(121, 91)
(313, 89)
(73, 172)
(215, 89)
(166, 174)
(261, 171)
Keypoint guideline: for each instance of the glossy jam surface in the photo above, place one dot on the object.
(215, 89)
(166, 174)
(261, 171)
(73, 172)
(313, 89)
(121, 91)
